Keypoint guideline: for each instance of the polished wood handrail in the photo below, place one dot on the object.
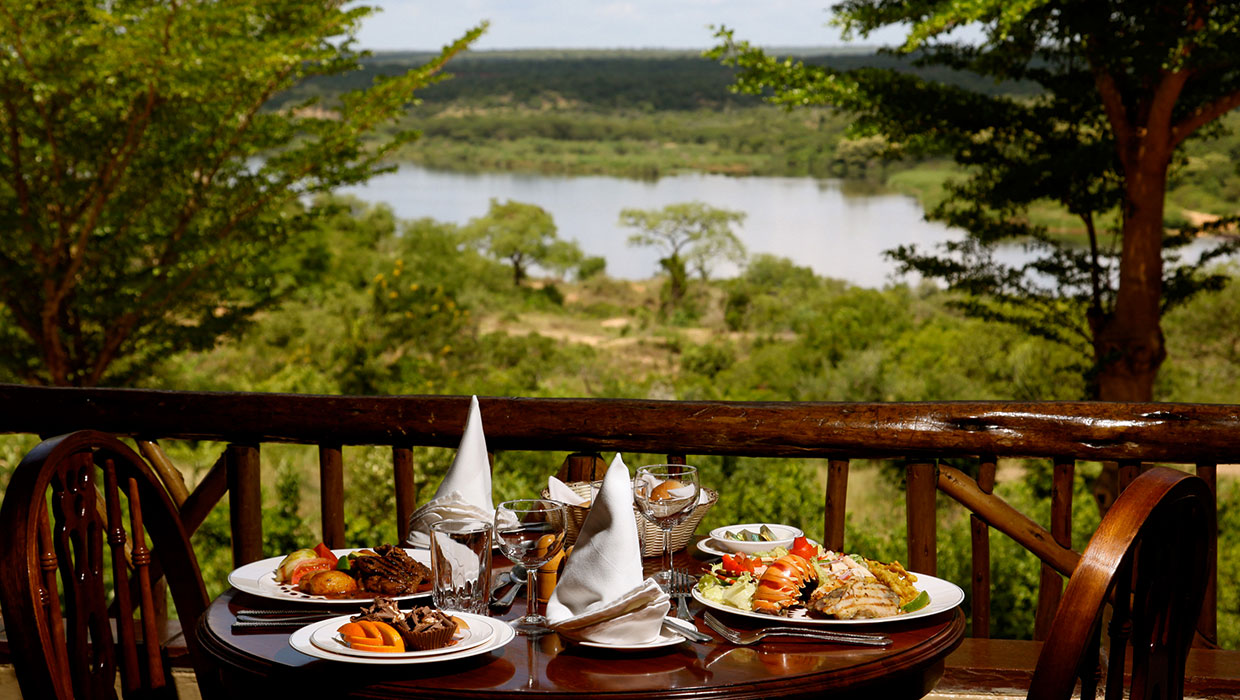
(1082, 430)
(923, 434)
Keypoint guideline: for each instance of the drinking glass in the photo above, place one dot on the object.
(666, 494)
(461, 565)
(530, 532)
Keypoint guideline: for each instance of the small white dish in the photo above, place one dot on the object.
(326, 638)
(501, 634)
(784, 536)
(665, 639)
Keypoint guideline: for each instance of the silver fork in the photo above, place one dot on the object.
(680, 586)
(746, 638)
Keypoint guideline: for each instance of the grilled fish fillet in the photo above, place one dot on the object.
(858, 599)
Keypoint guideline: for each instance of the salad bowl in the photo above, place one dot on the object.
(783, 536)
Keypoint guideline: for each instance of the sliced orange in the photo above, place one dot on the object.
(368, 635)
(389, 636)
(351, 629)
(460, 624)
(384, 648)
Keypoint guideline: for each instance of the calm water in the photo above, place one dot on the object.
(809, 221)
(812, 222)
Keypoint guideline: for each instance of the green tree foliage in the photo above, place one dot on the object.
(149, 198)
(689, 235)
(1122, 86)
(524, 235)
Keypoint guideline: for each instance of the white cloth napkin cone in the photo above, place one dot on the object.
(465, 493)
(602, 596)
(559, 491)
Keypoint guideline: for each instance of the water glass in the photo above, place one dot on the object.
(461, 565)
(531, 532)
(666, 494)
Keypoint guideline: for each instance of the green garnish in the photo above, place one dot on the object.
(921, 601)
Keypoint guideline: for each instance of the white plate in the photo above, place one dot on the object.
(665, 639)
(325, 637)
(501, 634)
(944, 595)
(259, 578)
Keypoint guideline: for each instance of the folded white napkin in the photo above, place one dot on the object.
(559, 491)
(465, 493)
(602, 596)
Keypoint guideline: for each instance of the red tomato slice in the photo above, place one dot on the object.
(309, 565)
(737, 563)
(801, 547)
(322, 550)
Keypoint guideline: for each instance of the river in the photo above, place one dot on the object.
(810, 221)
(816, 223)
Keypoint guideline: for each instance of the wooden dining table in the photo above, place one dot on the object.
(262, 662)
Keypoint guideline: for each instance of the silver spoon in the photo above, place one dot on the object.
(518, 575)
(500, 581)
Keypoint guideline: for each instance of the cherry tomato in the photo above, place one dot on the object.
(801, 546)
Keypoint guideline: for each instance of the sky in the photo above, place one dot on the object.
(600, 24)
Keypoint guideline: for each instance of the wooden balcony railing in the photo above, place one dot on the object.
(922, 434)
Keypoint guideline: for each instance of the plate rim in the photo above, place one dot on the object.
(503, 633)
(955, 594)
(248, 577)
(325, 624)
(666, 639)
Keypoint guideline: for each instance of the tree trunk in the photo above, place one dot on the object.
(1128, 343)
(677, 279)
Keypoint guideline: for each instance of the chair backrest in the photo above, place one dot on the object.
(1148, 559)
(75, 567)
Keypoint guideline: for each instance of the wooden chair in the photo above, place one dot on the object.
(1148, 559)
(67, 498)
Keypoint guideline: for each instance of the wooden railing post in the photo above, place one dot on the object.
(836, 505)
(919, 505)
(582, 466)
(1207, 623)
(245, 503)
(331, 495)
(980, 537)
(1050, 586)
(406, 489)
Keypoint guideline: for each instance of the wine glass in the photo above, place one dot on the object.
(530, 532)
(666, 494)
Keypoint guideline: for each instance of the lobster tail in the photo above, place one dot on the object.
(786, 582)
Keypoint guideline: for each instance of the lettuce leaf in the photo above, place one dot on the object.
(738, 595)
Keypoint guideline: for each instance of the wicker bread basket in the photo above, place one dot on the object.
(650, 534)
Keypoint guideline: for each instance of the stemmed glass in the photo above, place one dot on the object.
(666, 494)
(530, 532)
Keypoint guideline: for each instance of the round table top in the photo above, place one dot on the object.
(260, 661)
